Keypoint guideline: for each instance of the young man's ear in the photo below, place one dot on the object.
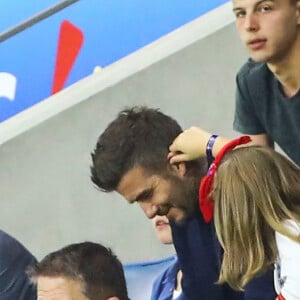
(179, 168)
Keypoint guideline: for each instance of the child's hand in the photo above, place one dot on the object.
(189, 145)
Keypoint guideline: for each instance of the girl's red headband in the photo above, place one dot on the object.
(205, 202)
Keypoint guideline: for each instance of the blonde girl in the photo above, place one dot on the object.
(256, 194)
(253, 193)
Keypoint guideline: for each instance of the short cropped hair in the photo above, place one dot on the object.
(139, 136)
(95, 266)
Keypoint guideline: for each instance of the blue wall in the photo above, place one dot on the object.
(111, 30)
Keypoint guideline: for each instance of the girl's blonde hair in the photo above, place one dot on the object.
(255, 190)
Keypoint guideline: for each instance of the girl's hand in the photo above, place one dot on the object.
(189, 145)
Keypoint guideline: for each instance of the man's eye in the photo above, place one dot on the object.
(147, 195)
(265, 8)
(239, 14)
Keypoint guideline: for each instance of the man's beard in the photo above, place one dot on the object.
(184, 194)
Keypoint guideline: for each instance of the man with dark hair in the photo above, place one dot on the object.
(84, 271)
(14, 260)
(136, 144)
(131, 158)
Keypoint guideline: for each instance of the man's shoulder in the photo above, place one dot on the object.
(12, 251)
(14, 260)
(7, 242)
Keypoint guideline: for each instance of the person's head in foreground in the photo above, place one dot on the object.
(255, 190)
(84, 271)
(131, 157)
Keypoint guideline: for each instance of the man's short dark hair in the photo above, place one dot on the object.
(96, 266)
(139, 136)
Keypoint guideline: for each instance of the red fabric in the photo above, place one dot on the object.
(280, 297)
(205, 202)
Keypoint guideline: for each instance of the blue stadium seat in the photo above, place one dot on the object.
(141, 275)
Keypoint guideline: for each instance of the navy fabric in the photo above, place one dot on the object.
(199, 255)
(163, 286)
(261, 287)
(14, 259)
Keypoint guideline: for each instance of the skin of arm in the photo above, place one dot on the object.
(191, 144)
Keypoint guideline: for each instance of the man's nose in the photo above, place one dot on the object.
(251, 22)
(149, 209)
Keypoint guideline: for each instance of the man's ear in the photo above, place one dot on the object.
(179, 168)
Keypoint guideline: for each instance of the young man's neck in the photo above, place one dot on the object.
(287, 70)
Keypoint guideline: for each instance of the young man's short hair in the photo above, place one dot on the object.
(96, 266)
